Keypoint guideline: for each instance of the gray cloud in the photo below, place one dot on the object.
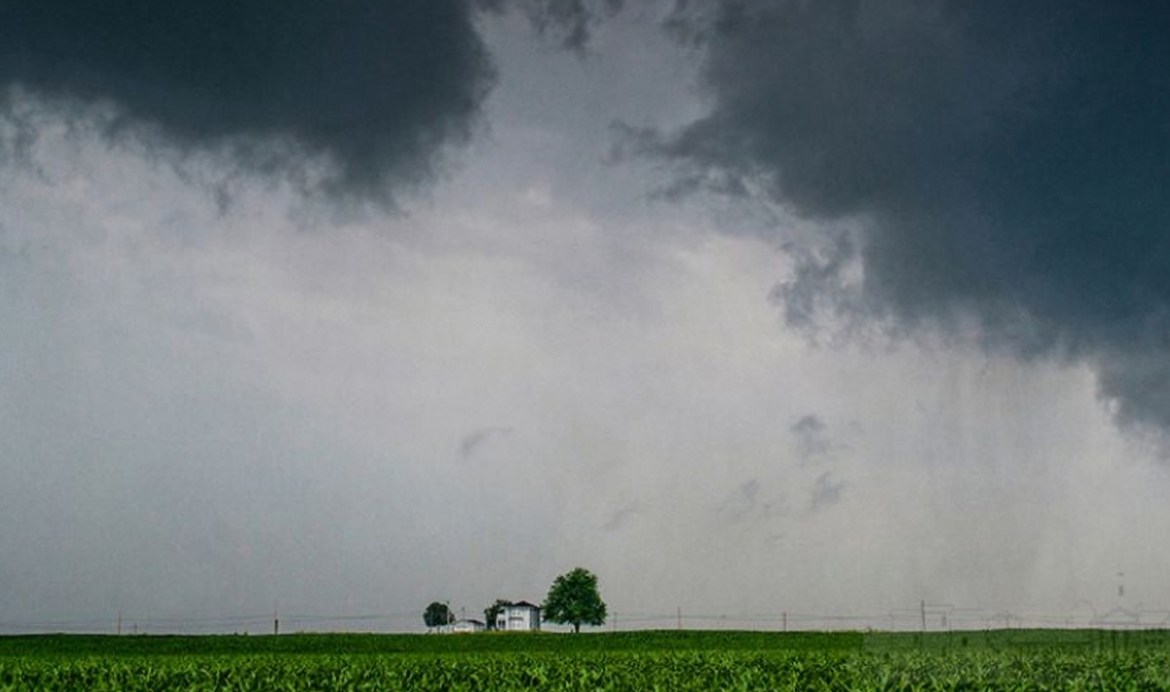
(470, 443)
(826, 491)
(741, 502)
(747, 502)
(810, 436)
(620, 518)
(568, 21)
(998, 169)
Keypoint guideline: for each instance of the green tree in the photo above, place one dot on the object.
(438, 614)
(573, 599)
(492, 612)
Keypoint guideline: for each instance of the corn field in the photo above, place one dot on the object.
(569, 663)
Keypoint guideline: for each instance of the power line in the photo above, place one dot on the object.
(924, 617)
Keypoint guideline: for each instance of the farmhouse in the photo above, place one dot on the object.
(520, 616)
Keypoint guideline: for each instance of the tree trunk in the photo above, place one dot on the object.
(576, 628)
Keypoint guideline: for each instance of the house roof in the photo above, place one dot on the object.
(524, 604)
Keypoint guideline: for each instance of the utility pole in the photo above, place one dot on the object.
(924, 615)
(275, 622)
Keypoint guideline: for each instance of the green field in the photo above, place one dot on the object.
(665, 660)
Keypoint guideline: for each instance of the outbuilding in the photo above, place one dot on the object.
(467, 626)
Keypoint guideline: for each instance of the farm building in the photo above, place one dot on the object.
(467, 625)
(520, 616)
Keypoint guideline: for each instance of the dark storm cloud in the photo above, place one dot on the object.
(1000, 166)
(372, 89)
(375, 87)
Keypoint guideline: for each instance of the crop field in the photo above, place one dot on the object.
(687, 660)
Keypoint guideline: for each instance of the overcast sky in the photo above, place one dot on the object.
(341, 308)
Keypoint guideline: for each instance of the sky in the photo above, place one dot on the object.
(331, 310)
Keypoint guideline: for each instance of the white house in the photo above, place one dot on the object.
(466, 626)
(521, 616)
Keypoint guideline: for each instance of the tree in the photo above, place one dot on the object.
(492, 612)
(573, 599)
(438, 614)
